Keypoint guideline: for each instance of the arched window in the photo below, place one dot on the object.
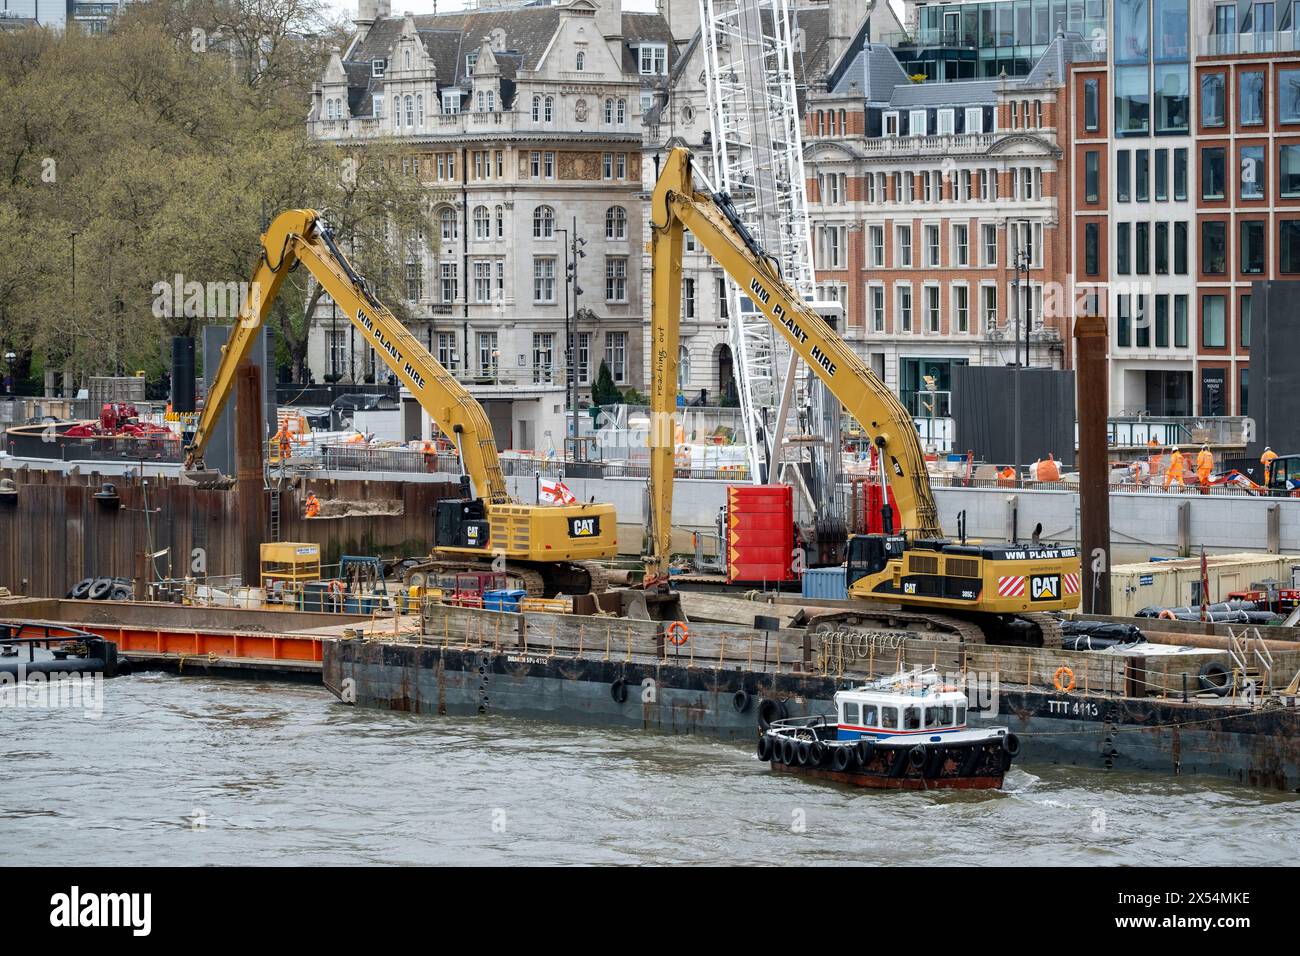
(410, 110)
(616, 223)
(580, 62)
(397, 111)
(447, 222)
(406, 59)
(419, 109)
(622, 112)
(501, 222)
(609, 112)
(548, 110)
(543, 223)
(537, 109)
(482, 223)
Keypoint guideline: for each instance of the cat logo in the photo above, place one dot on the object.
(471, 535)
(1046, 587)
(584, 527)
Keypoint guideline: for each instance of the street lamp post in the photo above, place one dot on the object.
(573, 251)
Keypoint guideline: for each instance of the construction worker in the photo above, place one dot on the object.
(1266, 460)
(1175, 470)
(312, 508)
(1007, 476)
(283, 442)
(1204, 465)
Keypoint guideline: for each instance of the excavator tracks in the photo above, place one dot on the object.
(537, 580)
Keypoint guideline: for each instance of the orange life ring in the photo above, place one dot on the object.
(336, 587)
(677, 633)
(1067, 685)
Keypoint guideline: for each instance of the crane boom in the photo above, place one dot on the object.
(676, 205)
(301, 236)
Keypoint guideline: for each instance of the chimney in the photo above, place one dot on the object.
(609, 21)
(843, 19)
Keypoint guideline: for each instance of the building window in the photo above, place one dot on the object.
(1142, 248)
(1214, 247)
(831, 246)
(1212, 172)
(721, 289)
(1141, 322)
(584, 357)
(990, 293)
(501, 222)
(482, 223)
(877, 233)
(482, 280)
(1172, 101)
(1162, 175)
(1142, 175)
(1288, 246)
(1180, 174)
(1250, 105)
(654, 59)
(1162, 321)
(1288, 96)
(931, 293)
(1122, 264)
(877, 308)
(448, 226)
(1252, 247)
(1180, 322)
(1162, 248)
(1180, 248)
(580, 62)
(1091, 175)
(1253, 174)
(903, 246)
(615, 279)
(932, 245)
(960, 244)
(1132, 99)
(378, 66)
(615, 223)
(544, 279)
(543, 223)
(1091, 247)
(487, 353)
(616, 355)
(1122, 168)
(1245, 324)
(688, 298)
(1288, 161)
(961, 307)
(448, 276)
(1213, 323)
(447, 356)
(543, 356)
(990, 244)
(414, 282)
(1090, 103)
(905, 308)
(1123, 323)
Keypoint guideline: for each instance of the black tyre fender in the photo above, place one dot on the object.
(101, 589)
(1215, 677)
(770, 710)
(764, 747)
(916, 756)
(618, 691)
(841, 757)
(816, 753)
(863, 750)
(121, 593)
(82, 588)
(1010, 744)
(740, 700)
(803, 753)
(788, 751)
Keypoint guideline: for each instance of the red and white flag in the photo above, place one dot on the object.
(556, 492)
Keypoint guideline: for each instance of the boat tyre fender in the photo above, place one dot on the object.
(765, 748)
(803, 753)
(618, 691)
(788, 751)
(121, 593)
(916, 756)
(841, 757)
(1011, 744)
(100, 589)
(769, 710)
(816, 753)
(862, 752)
(82, 588)
(1214, 677)
(740, 700)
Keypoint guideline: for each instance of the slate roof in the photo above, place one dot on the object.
(952, 93)
(873, 72)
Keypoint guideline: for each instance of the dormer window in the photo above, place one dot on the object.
(451, 101)
(470, 60)
(654, 59)
(580, 61)
(378, 66)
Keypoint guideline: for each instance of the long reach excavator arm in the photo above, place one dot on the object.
(677, 205)
(301, 236)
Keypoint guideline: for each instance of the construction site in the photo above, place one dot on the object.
(1113, 596)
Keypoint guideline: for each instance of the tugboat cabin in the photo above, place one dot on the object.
(881, 714)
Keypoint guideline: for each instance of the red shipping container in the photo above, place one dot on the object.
(760, 533)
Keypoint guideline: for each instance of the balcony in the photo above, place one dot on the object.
(1233, 44)
(929, 145)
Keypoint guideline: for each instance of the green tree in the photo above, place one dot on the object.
(604, 391)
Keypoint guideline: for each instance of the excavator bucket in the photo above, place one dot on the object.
(208, 479)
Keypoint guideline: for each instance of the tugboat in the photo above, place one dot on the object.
(905, 732)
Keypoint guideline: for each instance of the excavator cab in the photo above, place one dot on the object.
(461, 523)
(871, 554)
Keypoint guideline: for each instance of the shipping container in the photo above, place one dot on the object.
(760, 534)
(1176, 583)
(825, 584)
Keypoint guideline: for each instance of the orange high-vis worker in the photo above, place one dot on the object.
(1007, 476)
(1204, 465)
(1266, 460)
(312, 508)
(1175, 471)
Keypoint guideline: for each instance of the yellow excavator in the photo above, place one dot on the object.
(549, 548)
(910, 577)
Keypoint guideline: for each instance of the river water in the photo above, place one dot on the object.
(206, 771)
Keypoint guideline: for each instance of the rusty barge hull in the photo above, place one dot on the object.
(1258, 747)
